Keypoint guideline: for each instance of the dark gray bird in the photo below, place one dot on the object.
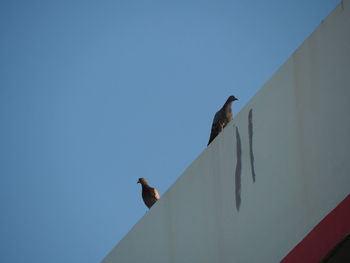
(150, 195)
(222, 118)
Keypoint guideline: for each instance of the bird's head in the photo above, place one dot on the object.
(141, 181)
(231, 98)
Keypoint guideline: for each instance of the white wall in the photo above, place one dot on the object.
(301, 146)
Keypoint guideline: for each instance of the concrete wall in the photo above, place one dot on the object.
(299, 140)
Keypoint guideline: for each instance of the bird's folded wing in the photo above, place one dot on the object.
(217, 119)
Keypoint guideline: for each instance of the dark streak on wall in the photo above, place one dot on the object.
(251, 153)
(238, 169)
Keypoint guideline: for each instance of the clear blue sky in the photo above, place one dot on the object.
(94, 94)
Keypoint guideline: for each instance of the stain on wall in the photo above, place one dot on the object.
(251, 153)
(238, 172)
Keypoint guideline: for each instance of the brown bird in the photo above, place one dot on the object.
(150, 195)
(222, 118)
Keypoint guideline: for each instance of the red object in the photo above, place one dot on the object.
(325, 236)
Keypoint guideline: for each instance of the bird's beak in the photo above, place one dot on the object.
(236, 99)
(138, 182)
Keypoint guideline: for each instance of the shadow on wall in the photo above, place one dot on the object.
(238, 171)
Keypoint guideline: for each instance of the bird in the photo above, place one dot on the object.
(150, 194)
(221, 118)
